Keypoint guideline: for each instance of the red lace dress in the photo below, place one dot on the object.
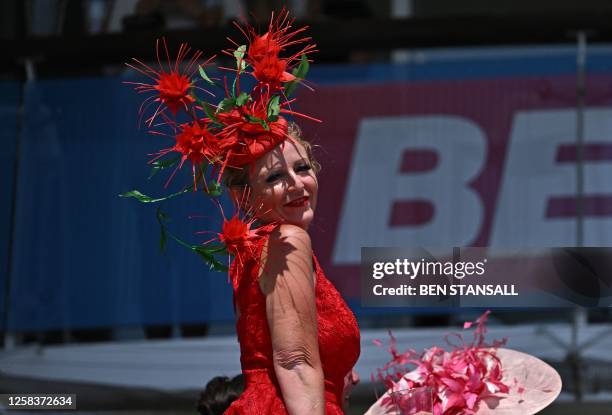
(338, 342)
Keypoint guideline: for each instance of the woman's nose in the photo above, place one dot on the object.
(295, 181)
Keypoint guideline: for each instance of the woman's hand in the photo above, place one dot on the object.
(288, 283)
(379, 409)
(350, 380)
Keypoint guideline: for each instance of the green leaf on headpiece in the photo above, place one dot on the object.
(163, 164)
(242, 99)
(226, 104)
(274, 108)
(256, 120)
(205, 76)
(302, 70)
(290, 88)
(214, 188)
(217, 249)
(163, 235)
(239, 55)
(233, 90)
(209, 110)
(300, 73)
(147, 199)
(208, 255)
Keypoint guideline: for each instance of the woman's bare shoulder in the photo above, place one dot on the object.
(288, 234)
(288, 252)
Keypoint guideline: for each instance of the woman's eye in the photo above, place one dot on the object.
(273, 177)
(304, 167)
(276, 176)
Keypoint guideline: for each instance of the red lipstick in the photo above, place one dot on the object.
(299, 202)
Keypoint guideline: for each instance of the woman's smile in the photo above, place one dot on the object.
(299, 202)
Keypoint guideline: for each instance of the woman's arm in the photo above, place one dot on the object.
(288, 283)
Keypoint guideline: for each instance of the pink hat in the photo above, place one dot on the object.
(472, 378)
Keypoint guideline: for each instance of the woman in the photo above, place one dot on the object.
(298, 339)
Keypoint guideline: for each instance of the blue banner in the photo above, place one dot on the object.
(83, 256)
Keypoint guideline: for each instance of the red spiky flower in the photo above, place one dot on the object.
(272, 70)
(239, 234)
(263, 53)
(262, 46)
(240, 240)
(173, 91)
(195, 143)
(172, 84)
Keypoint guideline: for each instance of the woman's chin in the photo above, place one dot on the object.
(301, 219)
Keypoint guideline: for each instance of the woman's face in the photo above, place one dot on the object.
(284, 186)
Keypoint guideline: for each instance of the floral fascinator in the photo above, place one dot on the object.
(215, 123)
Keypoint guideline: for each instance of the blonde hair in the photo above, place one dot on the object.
(239, 177)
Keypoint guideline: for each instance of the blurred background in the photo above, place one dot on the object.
(446, 123)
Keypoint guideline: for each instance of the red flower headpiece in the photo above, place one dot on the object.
(245, 124)
(234, 132)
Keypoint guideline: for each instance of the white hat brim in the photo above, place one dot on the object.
(541, 383)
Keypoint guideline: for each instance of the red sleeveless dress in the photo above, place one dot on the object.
(338, 342)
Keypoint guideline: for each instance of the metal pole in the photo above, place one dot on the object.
(9, 337)
(575, 349)
(580, 101)
(579, 316)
